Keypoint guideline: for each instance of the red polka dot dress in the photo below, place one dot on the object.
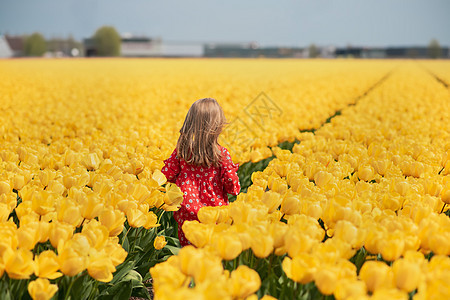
(202, 186)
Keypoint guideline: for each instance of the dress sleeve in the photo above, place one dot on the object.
(171, 167)
(229, 175)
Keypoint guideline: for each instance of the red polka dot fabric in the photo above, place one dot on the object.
(202, 186)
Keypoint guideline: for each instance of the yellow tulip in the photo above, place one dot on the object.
(291, 204)
(227, 244)
(297, 242)
(96, 233)
(272, 200)
(113, 220)
(173, 196)
(208, 214)
(376, 275)
(70, 261)
(43, 202)
(390, 293)
(5, 187)
(349, 233)
(276, 184)
(198, 234)
(59, 233)
(301, 268)
(18, 263)
(350, 289)
(91, 161)
(322, 178)
(69, 212)
(42, 289)
(46, 265)
(159, 177)
(4, 212)
(159, 242)
(262, 244)
(244, 282)
(445, 194)
(277, 230)
(366, 172)
(10, 200)
(46, 175)
(407, 274)
(28, 235)
(326, 280)
(392, 246)
(402, 187)
(134, 167)
(90, 206)
(243, 232)
(167, 274)
(152, 220)
(139, 191)
(19, 181)
(56, 187)
(115, 251)
(136, 218)
(199, 264)
(100, 266)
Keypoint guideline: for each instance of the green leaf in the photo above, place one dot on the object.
(134, 277)
(172, 249)
(82, 287)
(122, 271)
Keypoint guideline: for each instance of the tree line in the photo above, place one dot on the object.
(106, 40)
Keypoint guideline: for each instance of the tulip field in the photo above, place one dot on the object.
(344, 168)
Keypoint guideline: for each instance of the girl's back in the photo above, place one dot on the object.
(201, 167)
(203, 186)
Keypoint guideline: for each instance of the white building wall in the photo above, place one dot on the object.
(5, 50)
(135, 49)
(182, 49)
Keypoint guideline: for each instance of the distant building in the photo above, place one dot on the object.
(140, 47)
(388, 52)
(250, 50)
(5, 50)
(16, 44)
(135, 46)
(147, 47)
(182, 49)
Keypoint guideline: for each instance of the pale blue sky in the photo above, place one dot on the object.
(268, 22)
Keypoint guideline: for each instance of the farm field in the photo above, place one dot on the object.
(345, 166)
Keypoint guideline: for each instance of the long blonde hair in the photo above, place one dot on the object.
(198, 143)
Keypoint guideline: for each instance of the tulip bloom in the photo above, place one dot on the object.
(41, 289)
(113, 220)
(173, 196)
(100, 266)
(159, 242)
(301, 268)
(244, 282)
(18, 263)
(376, 275)
(47, 265)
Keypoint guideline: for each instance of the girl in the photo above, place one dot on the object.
(201, 167)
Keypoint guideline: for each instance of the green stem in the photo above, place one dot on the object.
(92, 294)
(126, 235)
(70, 287)
(269, 268)
(160, 216)
(137, 238)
